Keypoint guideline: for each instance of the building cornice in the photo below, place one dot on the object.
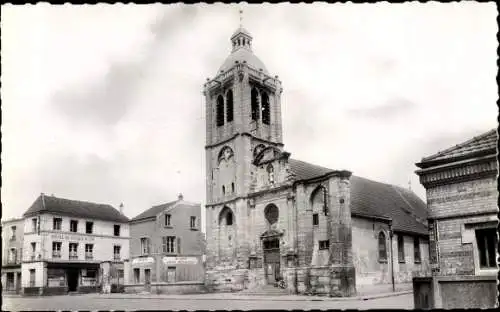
(464, 215)
(208, 146)
(466, 170)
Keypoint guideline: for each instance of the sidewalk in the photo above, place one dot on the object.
(236, 296)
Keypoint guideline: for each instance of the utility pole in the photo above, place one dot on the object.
(391, 234)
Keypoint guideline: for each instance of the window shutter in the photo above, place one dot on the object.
(178, 245)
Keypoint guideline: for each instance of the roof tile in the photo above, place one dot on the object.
(371, 198)
(75, 208)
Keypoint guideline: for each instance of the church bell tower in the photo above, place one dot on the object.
(243, 124)
(243, 116)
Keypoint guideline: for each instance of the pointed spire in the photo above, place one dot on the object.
(241, 18)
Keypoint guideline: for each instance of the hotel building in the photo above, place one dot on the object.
(72, 246)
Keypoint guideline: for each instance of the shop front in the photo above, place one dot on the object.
(72, 277)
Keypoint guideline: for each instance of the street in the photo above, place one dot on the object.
(198, 302)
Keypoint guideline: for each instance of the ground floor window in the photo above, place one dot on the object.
(171, 275)
(56, 277)
(10, 281)
(486, 244)
(32, 278)
(89, 277)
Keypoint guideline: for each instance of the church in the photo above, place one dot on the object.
(273, 218)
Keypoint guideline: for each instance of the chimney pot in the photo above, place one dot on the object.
(180, 197)
(121, 208)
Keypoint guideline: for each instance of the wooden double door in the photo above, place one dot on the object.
(272, 260)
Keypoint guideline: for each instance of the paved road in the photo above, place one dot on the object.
(103, 302)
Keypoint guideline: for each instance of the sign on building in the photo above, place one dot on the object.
(180, 260)
(143, 260)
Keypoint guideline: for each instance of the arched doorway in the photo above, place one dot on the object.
(271, 252)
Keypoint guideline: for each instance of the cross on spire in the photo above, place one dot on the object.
(241, 17)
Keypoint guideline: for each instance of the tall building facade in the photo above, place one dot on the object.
(272, 218)
(12, 255)
(462, 194)
(72, 246)
(166, 249)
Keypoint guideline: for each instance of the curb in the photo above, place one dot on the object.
(260, 298)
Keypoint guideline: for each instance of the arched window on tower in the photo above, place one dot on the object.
(226, 216)
(223, 190)
(220, 111)
(270, 173)
(382, 247)
(229, 105)
(255, 104)
(266, 113)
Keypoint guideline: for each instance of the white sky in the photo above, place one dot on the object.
(103, 103)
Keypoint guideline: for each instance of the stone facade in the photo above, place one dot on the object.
(271, 218)
(12, 253)
(462, 194)
(158, 265)
(371, 269)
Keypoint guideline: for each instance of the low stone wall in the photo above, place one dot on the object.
(326, 281)
(455, 292)
(230, 280)
(169, 288)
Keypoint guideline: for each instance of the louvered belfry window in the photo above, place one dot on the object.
(220, 111)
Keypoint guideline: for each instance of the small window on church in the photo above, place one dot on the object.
(229, 105)
(382, 247)
(324, 244)
(223, 190)
(220, 111)
(255, 104)
(232, 187)
(266, 114)
(315, 219)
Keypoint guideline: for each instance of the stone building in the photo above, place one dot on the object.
(72, 246)
(270, 217)
(12, 253)
(166, 249)
(462, 195)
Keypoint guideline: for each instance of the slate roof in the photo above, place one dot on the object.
(370, 198)
(153, 211)
(484, 143)
(305, 171)
(75, 208)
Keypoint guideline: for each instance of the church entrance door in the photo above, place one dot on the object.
(271, 259)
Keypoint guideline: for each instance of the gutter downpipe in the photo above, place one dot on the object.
(391, 234)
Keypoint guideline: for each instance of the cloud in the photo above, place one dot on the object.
(106, 100)
(392, 108)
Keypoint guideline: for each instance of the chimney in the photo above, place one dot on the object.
(121, 208)
(180, 197)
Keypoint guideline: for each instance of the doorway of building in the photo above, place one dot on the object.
(72, 275)
(271, 248)
(147, 279)
(18, 282)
